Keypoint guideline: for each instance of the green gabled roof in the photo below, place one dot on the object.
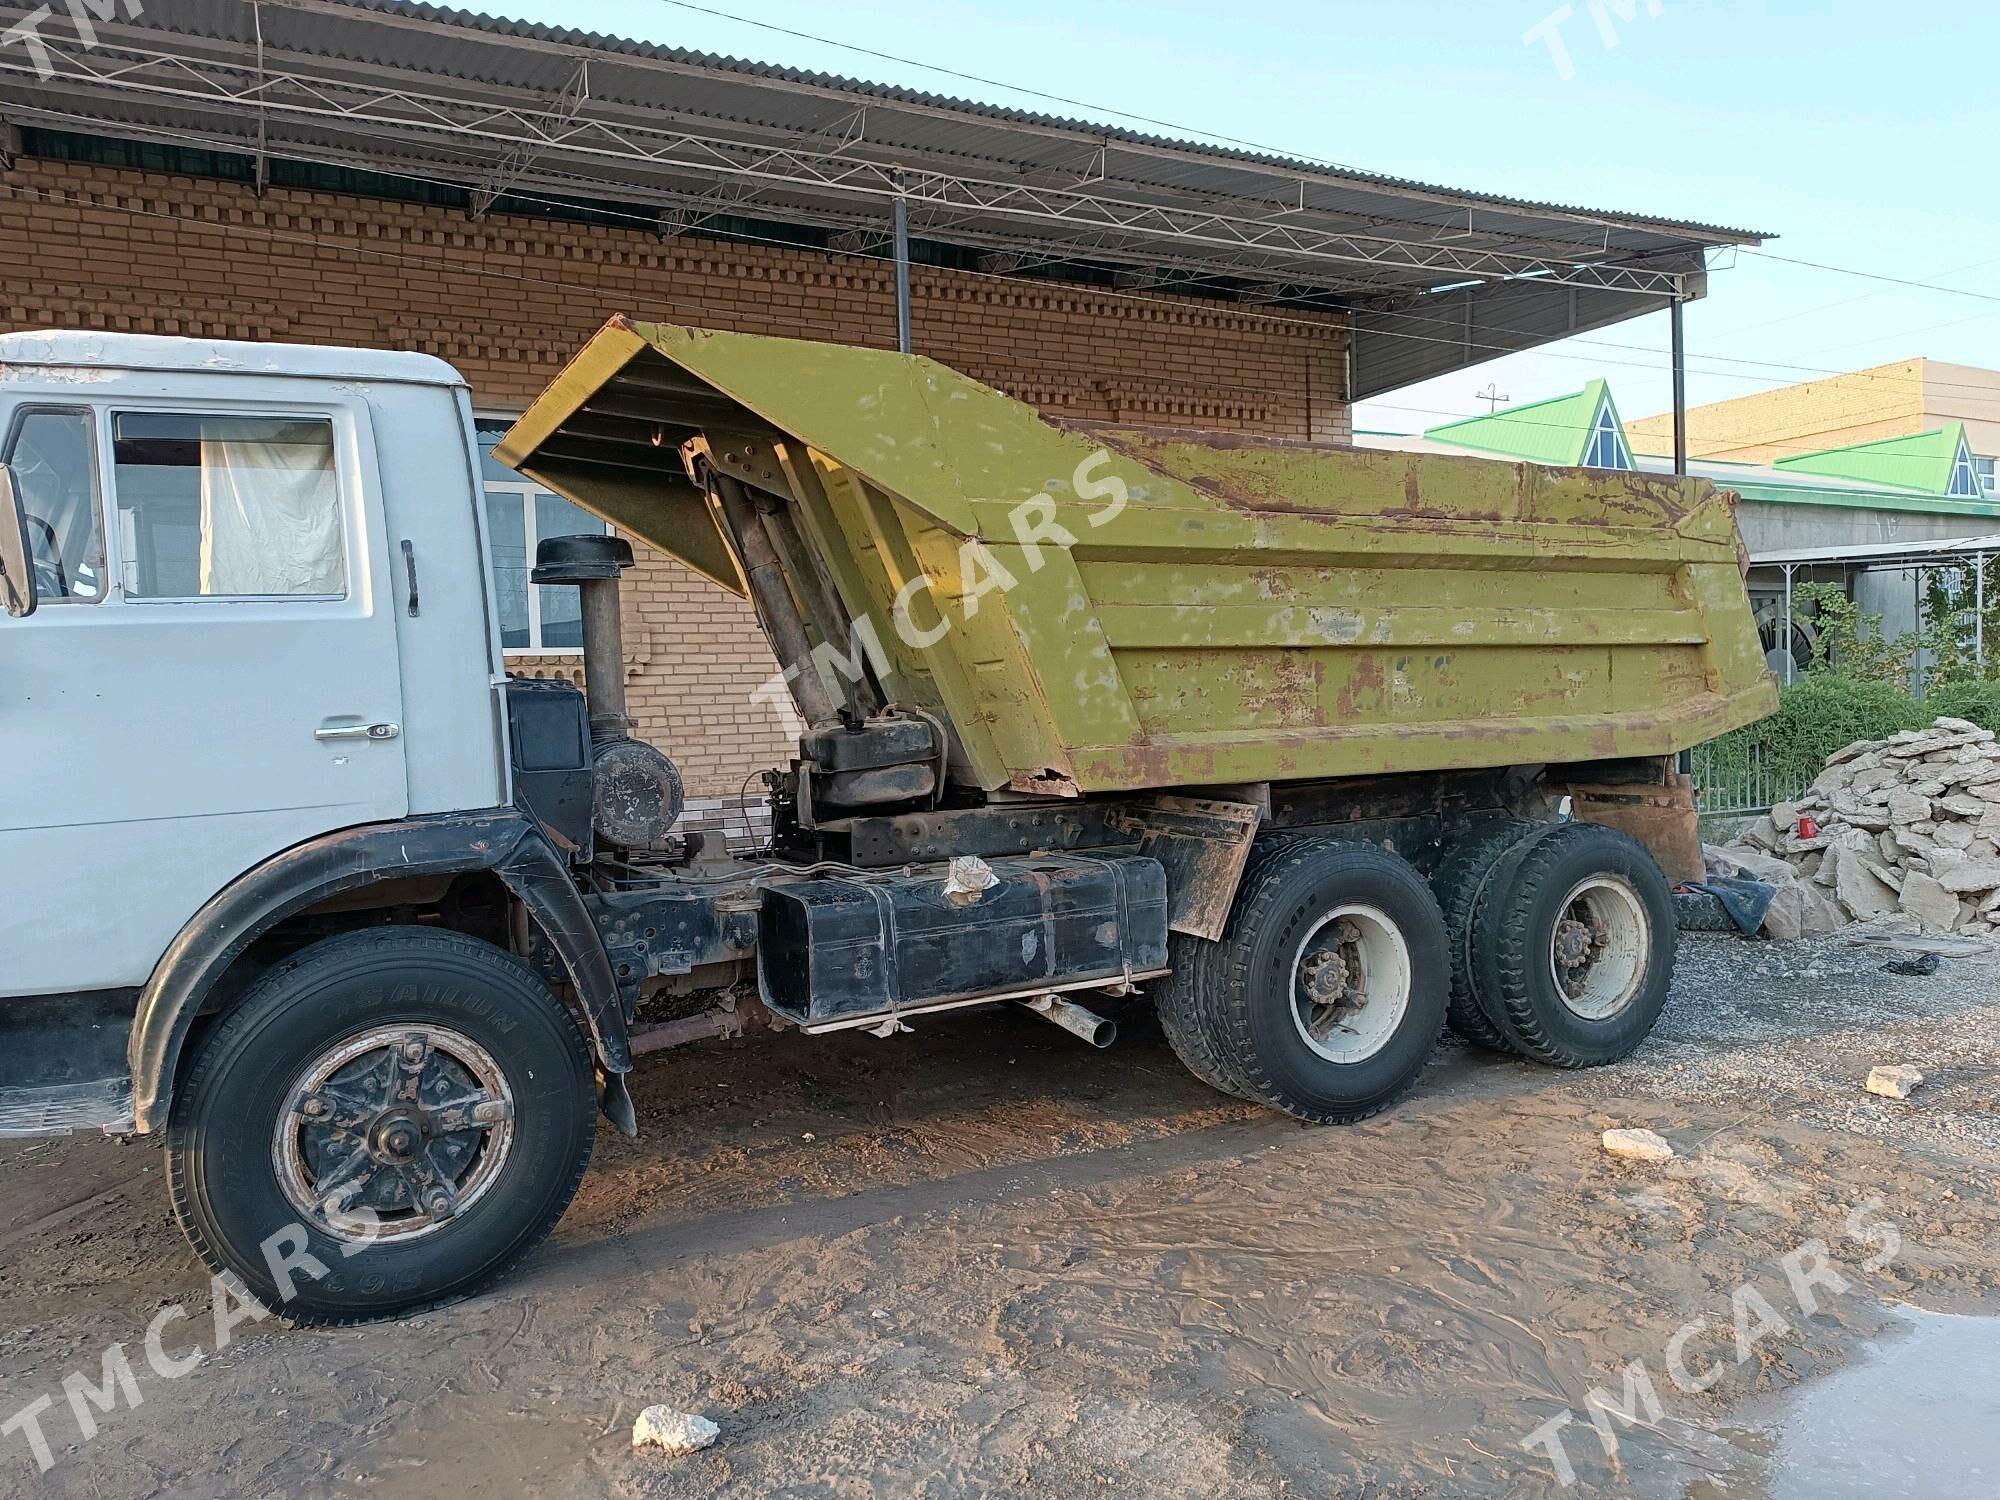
(1557, 431)
(1922, 462)
(1858, 498)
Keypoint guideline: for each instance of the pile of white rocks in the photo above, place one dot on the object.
(1909, 825)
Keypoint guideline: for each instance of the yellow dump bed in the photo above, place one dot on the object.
(1102, 609)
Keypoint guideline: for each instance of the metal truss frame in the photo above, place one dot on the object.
(493, 141)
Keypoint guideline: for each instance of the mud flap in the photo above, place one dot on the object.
(1663, 818)
(1203, 846)
(614, 1098)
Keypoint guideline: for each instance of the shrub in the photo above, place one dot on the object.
(1977, 701)
(1818, 715)
(1825, 712)
(1951, 624)
(1856, 689)
(1855, 645)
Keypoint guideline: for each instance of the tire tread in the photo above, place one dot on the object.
(256, 1008)
(1506, 957)
(1187, 1000)
(1464, 875)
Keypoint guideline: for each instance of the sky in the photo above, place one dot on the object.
(1861, 135)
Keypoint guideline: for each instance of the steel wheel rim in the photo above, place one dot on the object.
(392, 1133)
(1598, 951)
(1350, 984)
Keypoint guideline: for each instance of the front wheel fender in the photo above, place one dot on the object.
(500, 840)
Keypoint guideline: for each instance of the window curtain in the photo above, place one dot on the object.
(270, 512)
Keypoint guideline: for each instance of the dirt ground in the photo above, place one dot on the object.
(985, 1258)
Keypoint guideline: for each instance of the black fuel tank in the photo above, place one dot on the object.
(832, 947)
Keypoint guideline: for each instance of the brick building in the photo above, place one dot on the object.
(1170, 283)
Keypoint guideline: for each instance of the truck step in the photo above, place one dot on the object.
(62, 1109)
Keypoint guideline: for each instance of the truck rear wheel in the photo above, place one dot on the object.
(1573, 945)
(1330, 990)
(1185, 998)
(388, 1120)
(1179, 1003)
(1461, 879)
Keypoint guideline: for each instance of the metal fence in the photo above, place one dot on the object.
(1740, 778)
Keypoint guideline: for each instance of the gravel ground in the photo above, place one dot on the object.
(1804, 1022)
(985, 1258)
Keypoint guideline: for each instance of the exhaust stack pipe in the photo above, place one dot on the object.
(592, 564)
(1074, 1019)
(638, 797)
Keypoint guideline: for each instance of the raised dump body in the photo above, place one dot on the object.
(1109, 609)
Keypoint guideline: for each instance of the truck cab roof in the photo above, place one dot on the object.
(85, 349)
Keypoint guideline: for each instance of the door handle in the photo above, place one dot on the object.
(328, 732)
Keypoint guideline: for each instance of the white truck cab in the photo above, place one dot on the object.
(257, 739)
(239, 643)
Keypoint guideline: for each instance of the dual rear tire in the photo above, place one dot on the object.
(1328, 992)
(1568, 952)
(1341, 965)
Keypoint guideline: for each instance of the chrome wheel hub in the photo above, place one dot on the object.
(394, 1132)
(1598, 953)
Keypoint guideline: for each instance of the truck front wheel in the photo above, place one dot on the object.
(1330, 989)
(388, 1120)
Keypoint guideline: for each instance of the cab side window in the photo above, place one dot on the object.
(53, 453)
(239, 507)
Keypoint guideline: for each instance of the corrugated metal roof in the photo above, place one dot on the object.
(1561, 426)
(1556, 431)
(1921, 461)
(1907, 554)
(1434, 278)
(1096, 130)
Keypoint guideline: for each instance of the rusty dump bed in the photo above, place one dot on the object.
(1101, 609)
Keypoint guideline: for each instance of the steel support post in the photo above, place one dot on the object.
(903, 341)
(1676, 314)
(1979, 612)
(1785, 645)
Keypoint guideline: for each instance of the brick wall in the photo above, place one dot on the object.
(509, 299)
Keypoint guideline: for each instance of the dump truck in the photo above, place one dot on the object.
(1309, 751)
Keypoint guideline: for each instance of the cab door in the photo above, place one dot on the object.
(212, 674)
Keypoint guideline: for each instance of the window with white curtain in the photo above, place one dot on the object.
(519, 515)
(228, 507)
